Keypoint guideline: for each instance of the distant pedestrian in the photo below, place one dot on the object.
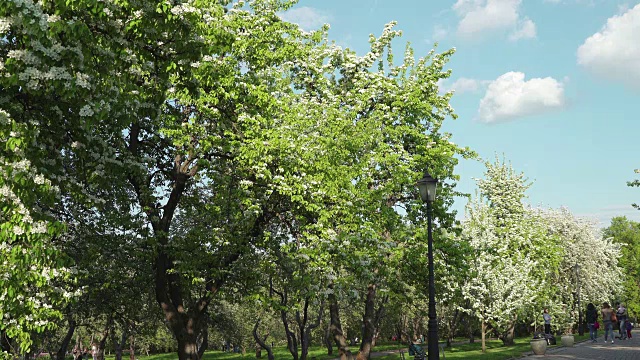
(547, 321)
(629, 327)
(621, 313)
(607, 321)
(592, 319)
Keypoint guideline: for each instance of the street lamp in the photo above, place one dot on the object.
(427, 186)
(580, 327)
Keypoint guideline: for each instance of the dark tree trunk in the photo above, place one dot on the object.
(5, 342)
(404, 330)
(204, 342)
(187, 346)
(415, 328)
(378, 319)
(368, 322)
(292, 342)
(305, 330)
(507, 336)
(262, 342)
(472, 338)
(168, 290)
(119, 345)
(103, 341)
(336, 327)
(328, 338)
(132, 344)
(64, 346)
(453, 324)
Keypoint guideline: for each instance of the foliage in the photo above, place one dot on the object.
(635, 183)
(586, 253)
(31, 261)
(507, 245)
(626, 234)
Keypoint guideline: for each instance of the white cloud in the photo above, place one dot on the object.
(478, 16)
(606, 213)
(510, 96)
(526, 30)
(439, 32)
(463, 85)
(307, 17)
(614, 51)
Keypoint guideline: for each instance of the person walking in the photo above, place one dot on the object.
(547, 321)
(592, 319)
(621, 313)
(629, 327)
(607, 321)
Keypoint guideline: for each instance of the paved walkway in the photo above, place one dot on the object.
(619, 350)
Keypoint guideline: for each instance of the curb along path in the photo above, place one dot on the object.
(619, 350)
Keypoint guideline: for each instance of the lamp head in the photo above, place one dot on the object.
(427, 186)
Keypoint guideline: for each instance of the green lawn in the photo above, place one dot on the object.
(495, 351)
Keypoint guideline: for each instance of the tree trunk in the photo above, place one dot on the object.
(378, 320)
(507, 336)
(262, 342)
(119, 345)
(204, 343)
(184, 325)
(187, 347)
(132, 347)
(336, 327)
(368, 322)
(416, 328)
(470, 330)
(103, 341)
(453, 324)
(305, 330)
(64, 346)
(292, 342)
(483, 333)
(327, 339)
(404, 334)
(5, 342)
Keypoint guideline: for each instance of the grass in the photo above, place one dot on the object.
(280, 353)
(467, 351)
(495, 349)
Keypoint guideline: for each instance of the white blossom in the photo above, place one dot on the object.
(86, 111)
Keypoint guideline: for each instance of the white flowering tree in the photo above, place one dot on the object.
(74, 77)
(29, 257)
(587, 255)
(500, 285)
(509, 252)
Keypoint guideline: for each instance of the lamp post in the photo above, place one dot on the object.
(580, 327)
(427, 186)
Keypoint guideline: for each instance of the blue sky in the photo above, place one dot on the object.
(554, 85)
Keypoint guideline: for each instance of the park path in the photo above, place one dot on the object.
(619, 350)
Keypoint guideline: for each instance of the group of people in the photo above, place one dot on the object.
(609, 317)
